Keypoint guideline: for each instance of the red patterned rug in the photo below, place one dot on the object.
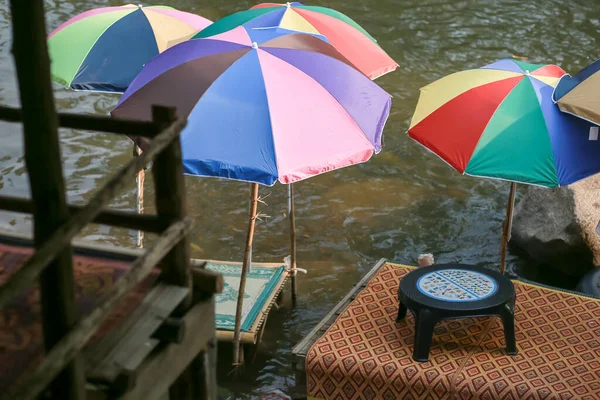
(365, 354)
(21, 341)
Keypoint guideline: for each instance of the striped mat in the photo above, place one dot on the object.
(365, 354)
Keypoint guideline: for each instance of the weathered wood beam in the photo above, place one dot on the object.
(171, 330)
(207, 281)
(63, 235)
(121, 219)
(169, 185)
(70, 345)
(154, 379)
(44, 167)
(90, 123)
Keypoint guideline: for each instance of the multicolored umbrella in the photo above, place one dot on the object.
(499, 121)
(349, 38)
(105, 48)
(580, 94)
(262, 105)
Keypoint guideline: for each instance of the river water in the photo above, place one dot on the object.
(403, 202)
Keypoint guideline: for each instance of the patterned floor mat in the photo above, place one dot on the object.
(365, 354)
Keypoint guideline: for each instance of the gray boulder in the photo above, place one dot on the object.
(557, 227)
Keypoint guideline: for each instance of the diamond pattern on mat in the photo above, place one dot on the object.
(558, 336)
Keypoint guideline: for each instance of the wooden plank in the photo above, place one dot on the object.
(44, 167)
(91, 123)
(207, 281)
(69, 346)
(200, 262)
(105, 359)
(153, 378)
(62, 236)
(169, 184)
(121, 219)
(302, 347)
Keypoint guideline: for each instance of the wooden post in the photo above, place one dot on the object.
(140, 193)
(169, 184)
(245, 267)
(508, 224)
(292, 217)
(43, 162)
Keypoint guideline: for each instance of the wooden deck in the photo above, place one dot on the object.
(123, 360)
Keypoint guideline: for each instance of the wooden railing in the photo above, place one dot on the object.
(170, 250)
(56, 223)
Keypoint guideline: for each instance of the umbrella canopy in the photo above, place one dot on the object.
(348, 37)
(263, 105)
(105, 48)
(580, 94)
(499, 121)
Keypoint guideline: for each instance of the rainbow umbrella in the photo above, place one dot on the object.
(105, 48)
(263, 105)
(349, 38)
(580, 94)
(499, 121)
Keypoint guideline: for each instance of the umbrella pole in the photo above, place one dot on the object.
(292, 241)
(245, 267)
(140, 193)
(508, 224)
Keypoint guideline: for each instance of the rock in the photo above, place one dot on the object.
(557, 227)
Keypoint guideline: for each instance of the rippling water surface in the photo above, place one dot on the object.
(403, 202)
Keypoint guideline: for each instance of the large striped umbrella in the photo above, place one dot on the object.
(105, 48)
(348, 37)
(580, 94)
(260, 108)
(499, 121)
(262, 105)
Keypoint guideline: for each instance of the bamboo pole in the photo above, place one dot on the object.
(508, 224)
(245, 267)
(44, 167)
(140, 193)
(292, 217)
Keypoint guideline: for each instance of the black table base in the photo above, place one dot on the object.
(429, 311)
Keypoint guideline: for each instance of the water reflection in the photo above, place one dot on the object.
(403, 202)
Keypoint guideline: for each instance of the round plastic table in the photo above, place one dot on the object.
(448, 291)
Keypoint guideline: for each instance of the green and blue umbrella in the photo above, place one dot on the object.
(105, 48)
